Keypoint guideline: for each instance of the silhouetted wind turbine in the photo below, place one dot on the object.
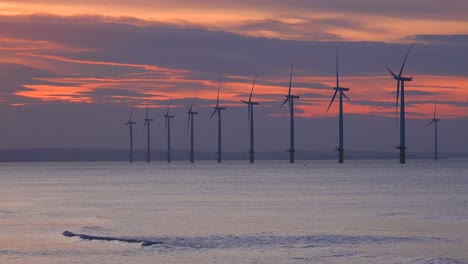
(217, 109)
(250, 105)
(190, 113)
(434, 121)
(341, 90)
(168, 131)
(401, 80)
(130, 124)
(148, 136)
(290, 98)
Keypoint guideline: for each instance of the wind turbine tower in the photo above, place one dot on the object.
(341, 90)
(168, 132)
(401, 82)
(218, 109)
(148, 136)
(250, 105)
(290, 99)
(434, 121)
(130, 124)
(190, 113)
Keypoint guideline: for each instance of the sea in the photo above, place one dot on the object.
(363, 211)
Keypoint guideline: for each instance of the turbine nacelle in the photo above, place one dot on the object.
(147, 121)
(292, 96)
(433, 121)
(405, 79)
(130, 123)
(216, 110)
(250, 103)
(399, 78)
(342, 89)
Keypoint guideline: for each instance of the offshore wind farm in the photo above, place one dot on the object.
(116, 146)
(400, 97)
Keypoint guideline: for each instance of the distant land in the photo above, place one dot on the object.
(58, 155)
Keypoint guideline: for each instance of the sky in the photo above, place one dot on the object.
(70, 71)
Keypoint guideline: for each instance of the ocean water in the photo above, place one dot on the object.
(268, 212)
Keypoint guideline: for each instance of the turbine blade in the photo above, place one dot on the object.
(290, 78)
(167, 111)
(430, 123)
(251, 91)
(146, 109)
(345, 96)
(217, 98)
(131, 113)
(285, 101)
(391, 72)
(214, 112)
(248, 114)
(397, 97)
(337, 80)
(403, 65)
(333, 98)
(188, 123)
(191, 105)
(435, 108)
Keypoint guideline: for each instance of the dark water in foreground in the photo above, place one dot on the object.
(269, 212)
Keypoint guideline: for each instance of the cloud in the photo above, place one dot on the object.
(113, 63)
(274, 28)
(14, 76)
(441, 39)
(217, 53)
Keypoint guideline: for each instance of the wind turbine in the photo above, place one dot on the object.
(401, 81)
(342, 94)
(218, 109)
(190, 113)
(130, 124)
(434, 121)
(168, 131)
(148, 136)
(290, 98)
(250, 105)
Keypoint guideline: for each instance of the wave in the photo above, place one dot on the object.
(231, 241)
(105, 238)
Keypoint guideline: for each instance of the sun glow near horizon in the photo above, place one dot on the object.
(124, 80)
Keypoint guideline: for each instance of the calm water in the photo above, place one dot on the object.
(269, 212)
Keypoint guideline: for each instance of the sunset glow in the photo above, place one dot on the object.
(119, 54)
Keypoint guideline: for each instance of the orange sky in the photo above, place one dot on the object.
(161, 83)
(302, 20)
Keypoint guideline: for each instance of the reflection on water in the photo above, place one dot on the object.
(269, 212)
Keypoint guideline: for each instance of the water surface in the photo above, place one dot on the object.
(234, 212)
